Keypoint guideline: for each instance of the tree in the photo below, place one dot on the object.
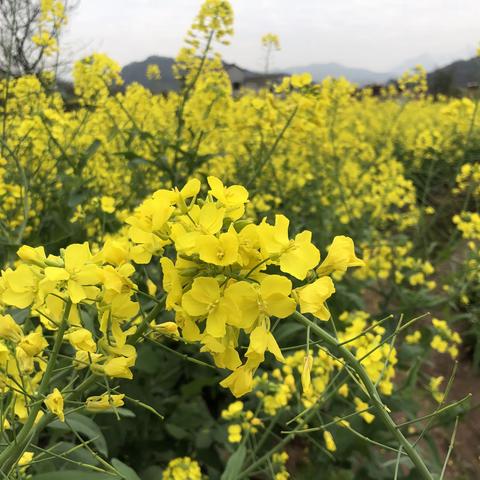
(29, 34)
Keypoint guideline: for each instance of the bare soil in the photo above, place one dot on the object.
(464, 461)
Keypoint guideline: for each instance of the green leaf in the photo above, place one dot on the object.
(74, 475)
(121, 411)
(203, 439)
(84, 426)
(87, 154)
(235, 464)
(152, 473)
(287, 330)
(125, 471)
(176, 432)
(82, 455)
(125, 412)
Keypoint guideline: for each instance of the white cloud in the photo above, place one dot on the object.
(376, 34)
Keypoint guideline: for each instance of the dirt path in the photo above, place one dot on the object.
(465, 460)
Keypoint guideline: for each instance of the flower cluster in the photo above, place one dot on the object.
(386, 260)
(182, 468)
(52, 18)
(225, 277)
(94, 76)
(242, 421)
(212, 264)
(377, 357)
(468, 180)
(64, 293)
(230, 276)
(279, 461)
(445, 339)
(153, 72)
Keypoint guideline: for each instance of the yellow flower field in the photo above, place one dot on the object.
(209, 284)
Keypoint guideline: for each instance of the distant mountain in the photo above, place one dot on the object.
(360, 76)
(426, 60)
(240, 77)
(455, 78)
(452, 79)
(136, 72)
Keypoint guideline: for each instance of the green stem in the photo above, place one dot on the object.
(372, 392)
(10, 456)
(257, 463)
(142, 328)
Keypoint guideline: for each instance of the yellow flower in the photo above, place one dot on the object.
(220, 251)
(439, 344)
(153, 72)
(274, 294)
(271, 40)
(414, 337)
(248, 247)
(262, 340)
(189, 190)
(10, 329)
(233, 410)
(25, 459)
(222, 350)
(329, 441)
(302, 80)
(151, 287)
(210, 218)
(52, 311)
(116, 279)
(343, 390)
(233, 198)
(21, 286)
(82, 339)
(168, 329)
(99, 403)
(107, 204)
(171, 283)
(183, 468)
(54, 403)
(300, 256)
(33, 343)
(79, 272)
(435, 383)
(31, 254)
(270, 299)
(205, 299)
(118, 367)
(341, 255)
(453, 351)
(115, 252)
(150, 220)
(85, 359)
(234, 433)
(295, 257)
(306, 371)
(312, 297)
(120, 309)
(247, 300)
(360, 406)
(239, 381)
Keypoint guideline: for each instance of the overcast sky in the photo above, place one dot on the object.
(374, 34)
